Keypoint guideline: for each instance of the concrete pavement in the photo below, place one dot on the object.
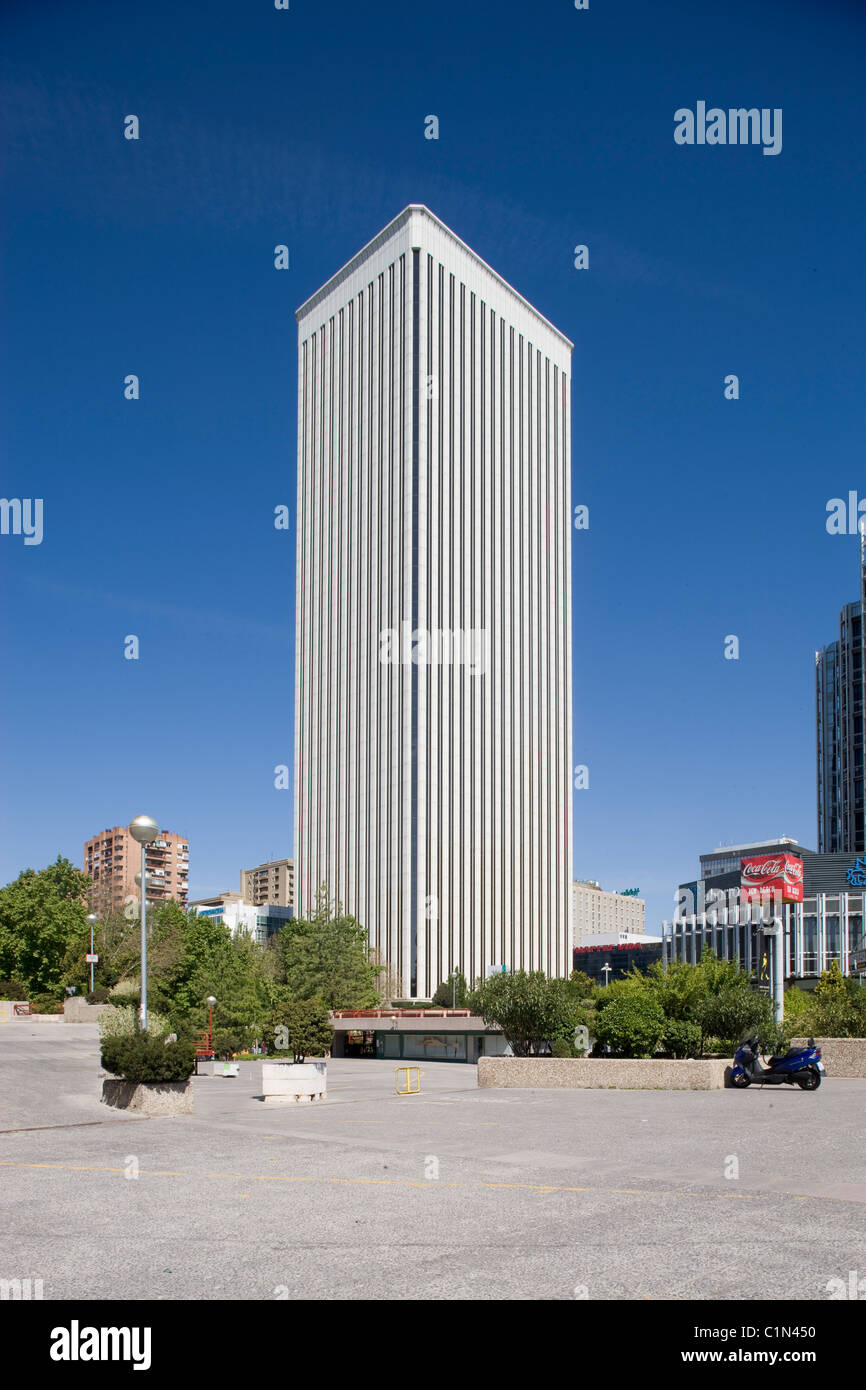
(456, 1193)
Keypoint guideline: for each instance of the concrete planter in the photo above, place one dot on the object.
(223, 1069)
(841, 1056)
(148, 1098)
(8, 1009)
(294, 1083)
(601, 1074)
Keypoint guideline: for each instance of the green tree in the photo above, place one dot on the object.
(531, 1010)
(42, 913)
(302, 1027)
(627, 985)
(453, 989)
(327, 957)
(837, 1010)
(799, 1006)
(190, 957)
(117, 942)
(679, 989)
(584, 986)
(578, 1008)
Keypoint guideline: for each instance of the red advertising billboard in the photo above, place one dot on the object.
(779, 875)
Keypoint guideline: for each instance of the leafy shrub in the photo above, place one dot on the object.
(13, 989)
(734, 1012)
(126, 990)
(45, 1004)
(681, 1038)
(563, 1047)
(142, 1058)
(623, 988)
(98, 996)
(123, 1022)
(632, 1024)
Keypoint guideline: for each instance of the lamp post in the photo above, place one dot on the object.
(606, 970)
(144, 830)
(210, 1001)
(92, 919)
(774, 928)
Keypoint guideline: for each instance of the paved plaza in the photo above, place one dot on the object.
(455, 1193)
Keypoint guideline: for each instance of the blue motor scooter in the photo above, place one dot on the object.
(801, 1066)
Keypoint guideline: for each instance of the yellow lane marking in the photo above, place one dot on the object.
(545, 1188)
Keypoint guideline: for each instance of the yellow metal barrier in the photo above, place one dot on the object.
(413, 1081)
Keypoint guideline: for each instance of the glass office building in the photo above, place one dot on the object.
(821, 929)
(839, 717)
(826, 926)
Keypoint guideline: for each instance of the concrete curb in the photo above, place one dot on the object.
(841, 1056)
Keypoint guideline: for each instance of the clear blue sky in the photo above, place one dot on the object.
(306, 127)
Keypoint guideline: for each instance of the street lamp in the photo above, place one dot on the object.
(144, 830)
(210, 1001)
(92, 920)
(606, 972)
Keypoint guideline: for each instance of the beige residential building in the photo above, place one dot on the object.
(113, 858)
(273, 882)
(595, 912)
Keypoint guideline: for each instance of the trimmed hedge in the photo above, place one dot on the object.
(140, 1057)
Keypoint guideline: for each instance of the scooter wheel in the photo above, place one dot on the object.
(741, 1081)
(810, 1082)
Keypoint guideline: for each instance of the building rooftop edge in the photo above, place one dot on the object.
(750, 844)
(394, 225)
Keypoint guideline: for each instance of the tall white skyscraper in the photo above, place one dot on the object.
(433, 671)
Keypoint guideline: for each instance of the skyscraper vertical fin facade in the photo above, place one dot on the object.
(433, 701)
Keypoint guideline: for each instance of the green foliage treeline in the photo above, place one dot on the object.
(324, 962)
(684, 1011)
(44, 936)
(835, 1008)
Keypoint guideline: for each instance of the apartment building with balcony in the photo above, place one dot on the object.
(272, 882)
(113, 858)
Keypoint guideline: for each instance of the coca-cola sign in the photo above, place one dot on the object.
(776, 875)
